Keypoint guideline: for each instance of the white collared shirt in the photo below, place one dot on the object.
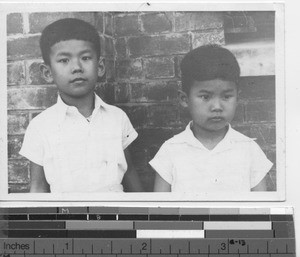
(236, 164)
(80, 155)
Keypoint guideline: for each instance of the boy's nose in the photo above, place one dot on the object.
(76, 66)
(216, 105)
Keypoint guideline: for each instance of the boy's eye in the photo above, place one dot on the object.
(205, 97)
(85, 58)
(226, 97)
(63, 60)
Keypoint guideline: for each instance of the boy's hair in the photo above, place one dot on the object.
(67, 29)
(208, 62)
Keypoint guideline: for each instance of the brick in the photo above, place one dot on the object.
(159, 45)
(14, 144)
(157, 22)
(271, 180)
(86, 16)
(259, 111)
(108, 23)
(122, 94)
(22, 48)
(109, 49)
(178, 60)
(16, 73)
(99, 21)
(130, 69)
(262, 87)
(255, 59)
(154, 91)
(163, 115)
(18, 171)
(198, 21)
(250, 23)
(150, 138)
(34, 74)
(271, 155)
(106, 92)
(137, 114)
(31, 98)
(19, 188)
(17, 123)
(159, 67)
(33, 114)
(147, 179)
(265, 134)
(239, 114)
(126, 25)
(14, 23)
(121, 48)
(38, 21)
(211, 37)
(238, 22)
(110, 69)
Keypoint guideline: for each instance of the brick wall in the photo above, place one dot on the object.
(142, 54)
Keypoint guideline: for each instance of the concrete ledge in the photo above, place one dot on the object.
(255, 58)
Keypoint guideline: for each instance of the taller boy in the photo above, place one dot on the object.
(80, 143)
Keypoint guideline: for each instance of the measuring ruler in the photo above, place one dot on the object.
(152, 232)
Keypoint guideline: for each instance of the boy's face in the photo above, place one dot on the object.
(212, 104)
(74, 68)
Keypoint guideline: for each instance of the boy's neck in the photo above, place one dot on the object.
(209, 138)
(85, 105)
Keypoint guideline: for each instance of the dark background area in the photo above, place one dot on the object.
(142, 52)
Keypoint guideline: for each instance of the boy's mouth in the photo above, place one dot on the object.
(216, 118)
(78, 80)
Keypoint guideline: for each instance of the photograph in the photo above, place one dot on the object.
(161, 104)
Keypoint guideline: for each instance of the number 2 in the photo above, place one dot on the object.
(144, 246)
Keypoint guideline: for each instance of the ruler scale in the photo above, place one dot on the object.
(146, 232)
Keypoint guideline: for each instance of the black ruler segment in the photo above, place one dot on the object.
(133, 217)
(194, 217)
(239, 233)
(42, 216)
(102, 217)
(164, 217)
(223, 217)
(71, 216)
(281, 217)
(36, 225)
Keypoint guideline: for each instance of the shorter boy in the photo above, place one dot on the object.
(210, 156)
(80, 143)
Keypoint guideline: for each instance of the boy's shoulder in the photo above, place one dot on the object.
(47, 116)
(114, 110)
(237, 136)
(234, 136)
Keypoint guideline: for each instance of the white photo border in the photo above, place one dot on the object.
(279, 195)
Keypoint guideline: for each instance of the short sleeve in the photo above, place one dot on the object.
(260, 165)
(162, 164)
(128, 132)
(32, 147)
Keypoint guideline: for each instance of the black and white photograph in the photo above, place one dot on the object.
(156, 103)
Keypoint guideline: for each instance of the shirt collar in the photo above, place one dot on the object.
(63, 108)
(187, 136)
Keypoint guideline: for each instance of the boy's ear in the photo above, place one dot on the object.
(101, 67)
(46, 72)
(183, 98)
